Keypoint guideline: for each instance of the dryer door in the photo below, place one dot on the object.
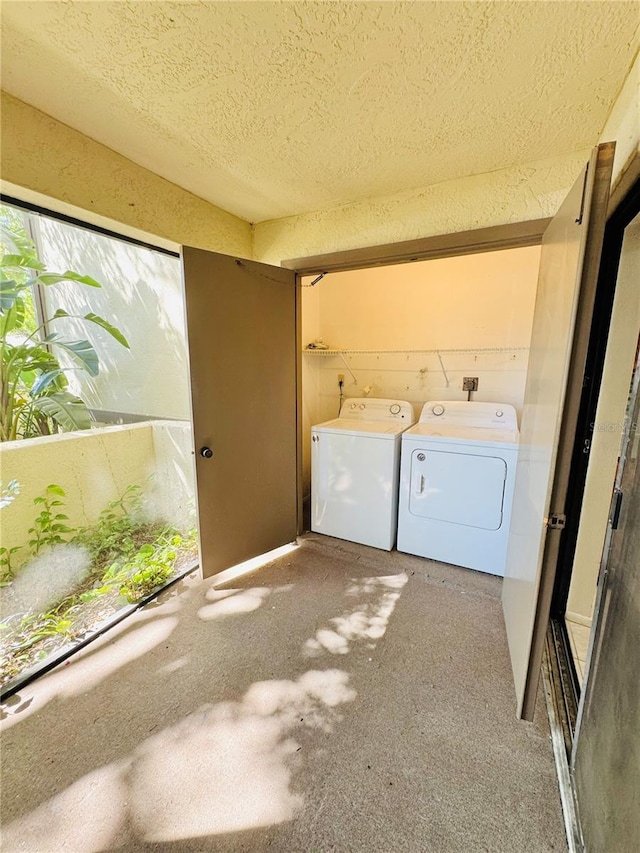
(458, 487)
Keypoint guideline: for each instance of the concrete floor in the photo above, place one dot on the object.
(339, 699)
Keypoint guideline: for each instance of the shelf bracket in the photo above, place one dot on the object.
(442, 368)
(346, 364)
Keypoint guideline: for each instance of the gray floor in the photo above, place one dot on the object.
(340, 699)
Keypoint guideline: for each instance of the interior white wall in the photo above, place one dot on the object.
(391, 319)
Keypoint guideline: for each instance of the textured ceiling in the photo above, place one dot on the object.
(269, 109)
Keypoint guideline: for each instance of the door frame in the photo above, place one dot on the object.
(476, 241)
(618, 220)
(514, 235)
(563, 675)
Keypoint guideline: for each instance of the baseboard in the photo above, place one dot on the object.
(578, 618)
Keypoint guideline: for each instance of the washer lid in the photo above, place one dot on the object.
(377, 409)
(479, 436)
(468, 413)
(372, 429)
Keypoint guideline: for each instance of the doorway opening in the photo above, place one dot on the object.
(604, 420)
(415, 332)
(569, 262)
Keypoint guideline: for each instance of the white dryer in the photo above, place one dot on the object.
(456, 484)
(355, 469)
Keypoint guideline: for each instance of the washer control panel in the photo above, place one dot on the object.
(465, 413)
(377, 409)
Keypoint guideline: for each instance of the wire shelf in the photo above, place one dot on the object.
(477, 351)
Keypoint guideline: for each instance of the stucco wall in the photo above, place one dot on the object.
(94, 467)
(520, 193)
(142, 295)
(623, 124)
(45, 156)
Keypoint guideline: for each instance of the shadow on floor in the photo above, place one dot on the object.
(340, 698)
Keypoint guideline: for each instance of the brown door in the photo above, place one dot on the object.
(569, 264)
(241, 324)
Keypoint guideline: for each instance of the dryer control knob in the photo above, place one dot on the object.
(499, 413)
(395, 409)
(354, 405)
(438, 410)
(362, 406)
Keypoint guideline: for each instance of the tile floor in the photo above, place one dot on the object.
(579, 640)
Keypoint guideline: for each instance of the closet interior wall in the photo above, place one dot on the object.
(413, 331)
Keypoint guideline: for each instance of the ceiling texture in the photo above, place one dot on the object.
(270, 109)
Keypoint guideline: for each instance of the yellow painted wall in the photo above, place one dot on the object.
(94, 467)
(516, 194)
(483, 300)
(49, 158)
(475, 303)
(519, 193)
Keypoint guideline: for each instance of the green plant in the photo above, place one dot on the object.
(49, 526)
(130, 558)
(7, 571)
(114, 532)
(34, 396)
(41, 626)
(114, 576)
(26, 635)
(150, 567)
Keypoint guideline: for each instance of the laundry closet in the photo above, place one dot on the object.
(417, 332)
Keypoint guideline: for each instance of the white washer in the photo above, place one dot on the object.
(456, 484)
(355, 468)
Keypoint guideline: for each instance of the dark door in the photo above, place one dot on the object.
(241, 323)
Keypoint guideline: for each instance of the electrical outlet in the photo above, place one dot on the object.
(470, 383)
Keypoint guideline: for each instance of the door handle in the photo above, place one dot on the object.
(206, 452)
